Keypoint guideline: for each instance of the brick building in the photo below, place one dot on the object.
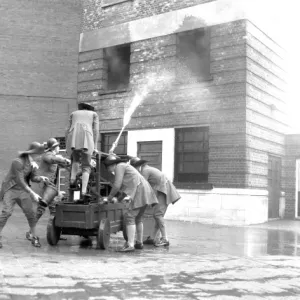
(292, 176)
(213, 118)
(38, 66)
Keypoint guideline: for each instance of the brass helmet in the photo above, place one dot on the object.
(136, 161)
(112, 159)
(52, 143)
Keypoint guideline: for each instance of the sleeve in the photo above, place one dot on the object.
(53, 159)
(96, 129)
(17, 169)
(116, 186)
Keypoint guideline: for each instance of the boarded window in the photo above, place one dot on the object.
(107, 139)
(191, 154)
(118, 67)
(193, 55)
(152, 152)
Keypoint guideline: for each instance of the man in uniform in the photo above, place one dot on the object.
(166, 193)
(49, 168)
(82, 139)
(16, 188)
(129, 181)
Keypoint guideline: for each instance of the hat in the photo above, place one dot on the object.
(86, 106)
(136, 161)
(112, 159)
(34, 148)
(52, 143)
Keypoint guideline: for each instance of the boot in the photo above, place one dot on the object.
(35, 242)
(29, 236)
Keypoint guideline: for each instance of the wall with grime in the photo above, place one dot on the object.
(218, 102)
(266, 106)
(39, 60)
(104, 13)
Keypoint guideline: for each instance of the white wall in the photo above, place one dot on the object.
(167, 136)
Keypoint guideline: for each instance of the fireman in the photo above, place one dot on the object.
(82, 139)
(166, 193)
(129, 181)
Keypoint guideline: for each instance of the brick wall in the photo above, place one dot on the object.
(218, 102)
(292, 149)
(39, 60)
(265, 114)
(94, 16)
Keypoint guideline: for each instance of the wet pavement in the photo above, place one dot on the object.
(202, 262)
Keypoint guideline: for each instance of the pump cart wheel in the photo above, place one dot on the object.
(103, 234)
(53, 232)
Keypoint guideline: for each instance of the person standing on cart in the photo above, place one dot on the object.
(82, 139)
(50, 162)
(166, 194)
(129, 181)
(16, 188)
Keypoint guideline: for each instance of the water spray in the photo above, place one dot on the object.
(152, 79)
(137, 99)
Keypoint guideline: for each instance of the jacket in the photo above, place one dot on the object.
(83, 131)
(129, 181)
(159, 182)
(19, 176)
(49, 165)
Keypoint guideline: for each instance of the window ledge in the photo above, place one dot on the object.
(107, 3)
(179, 82)
(113, 91)
(193, 185)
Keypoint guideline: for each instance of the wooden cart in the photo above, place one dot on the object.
(89, 219)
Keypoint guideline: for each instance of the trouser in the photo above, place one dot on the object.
(41, 209)
(135, 216)
(22, 198)
(85, 160)
(159, 211)
(43, 191)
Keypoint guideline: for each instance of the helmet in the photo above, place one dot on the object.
(111, 160)
(136, 161)
(52, 143)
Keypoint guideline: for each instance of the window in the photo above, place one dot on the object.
(107, 140)
(191, 154)
(118, 66)
(193, 55)
(152, 152)
(62, 142)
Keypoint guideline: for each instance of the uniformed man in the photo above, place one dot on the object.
(50, 162)
(166, 194)
(82, 139)
(129, 181)
(16, 188)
